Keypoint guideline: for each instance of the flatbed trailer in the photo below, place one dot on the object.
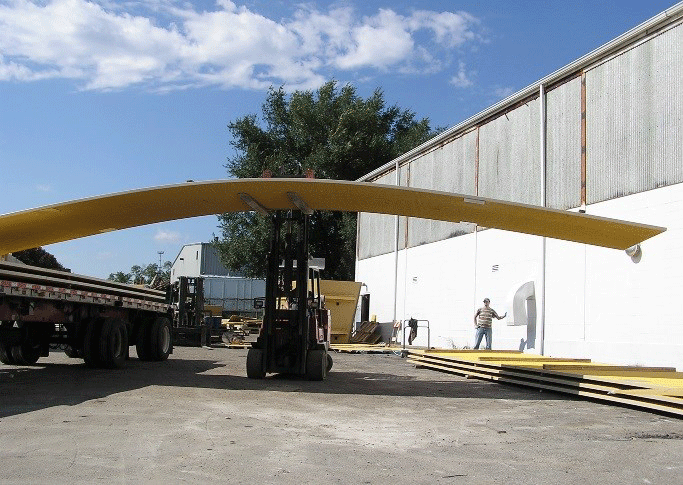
(90, 318)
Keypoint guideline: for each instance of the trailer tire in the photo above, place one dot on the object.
(255, 364)
(91, 340)
(316, 365)
(160, 339)
(6, 354)
(72, 352)
(329, 362)
(142, 341)
(5, 348)
(25, 354)
(113, 343)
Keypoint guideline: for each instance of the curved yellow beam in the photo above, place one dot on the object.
(85, 217)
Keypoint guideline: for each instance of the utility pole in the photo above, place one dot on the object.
(160, 253)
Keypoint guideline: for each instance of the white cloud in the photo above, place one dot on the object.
(449, 29)
(502, 92)
(462, 78)
(167, 237)
(167, 44)
(43, 188)
(379, 41)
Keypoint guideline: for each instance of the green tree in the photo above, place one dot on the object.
(121, 277)
(333, 132)
(39, 257)
(142, 275)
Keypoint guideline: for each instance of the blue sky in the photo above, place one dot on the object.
(103, 96)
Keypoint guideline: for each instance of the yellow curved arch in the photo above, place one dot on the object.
(85, 217)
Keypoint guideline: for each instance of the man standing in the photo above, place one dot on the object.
(482, 322)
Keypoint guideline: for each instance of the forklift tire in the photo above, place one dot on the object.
(255, 364)
(25, 354)
(113, 343)
(316, 365)
(329, 362)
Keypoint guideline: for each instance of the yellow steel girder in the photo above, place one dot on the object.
(71, 220)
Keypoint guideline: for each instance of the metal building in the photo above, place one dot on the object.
(234, 293)
(198, 259)
(604, 134)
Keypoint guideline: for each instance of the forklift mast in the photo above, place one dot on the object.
(294, 337)
(286, 285)
(186, 296)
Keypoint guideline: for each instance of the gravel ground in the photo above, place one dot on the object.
(196, 418)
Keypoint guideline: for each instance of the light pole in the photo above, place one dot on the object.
(160, 253)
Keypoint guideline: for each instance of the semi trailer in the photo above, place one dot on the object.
(89, 318)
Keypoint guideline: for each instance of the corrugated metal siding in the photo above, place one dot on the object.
(376, 231)
(233, 294)
(563, 145)
(635, 119)
(450, 168)
(211, 262)
(509, 156)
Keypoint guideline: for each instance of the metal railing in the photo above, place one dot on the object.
(406, 327)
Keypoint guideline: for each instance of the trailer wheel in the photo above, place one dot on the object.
(91, 340)
(161, 342)
(255, 364)
(113, 343)
(72, 352)
(316, 365)
(142, 341)
(6, 354)
(25, 354)
(6, 349)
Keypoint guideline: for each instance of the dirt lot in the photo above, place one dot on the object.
(197, 418)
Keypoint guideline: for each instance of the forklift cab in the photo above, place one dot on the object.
(295, 334)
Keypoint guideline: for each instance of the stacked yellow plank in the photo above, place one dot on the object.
(652, 388)
(364, 348)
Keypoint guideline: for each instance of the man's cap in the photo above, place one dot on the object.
(486, 299)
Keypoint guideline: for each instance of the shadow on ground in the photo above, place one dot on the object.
(70, 382)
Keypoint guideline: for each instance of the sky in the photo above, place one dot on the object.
(98, 97)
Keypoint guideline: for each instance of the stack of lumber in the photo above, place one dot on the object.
(364, 348)
(657, 389)
(239, 322)
(368, 333)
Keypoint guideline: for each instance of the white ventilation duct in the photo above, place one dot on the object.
(518, 311)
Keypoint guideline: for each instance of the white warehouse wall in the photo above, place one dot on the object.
(188, 262)
(598, 303)
(632, 312)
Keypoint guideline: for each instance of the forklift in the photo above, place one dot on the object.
(294, 338)
(186, 296)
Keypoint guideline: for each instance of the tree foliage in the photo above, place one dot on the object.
(142, 275)
(333, 132)
(39, 257)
